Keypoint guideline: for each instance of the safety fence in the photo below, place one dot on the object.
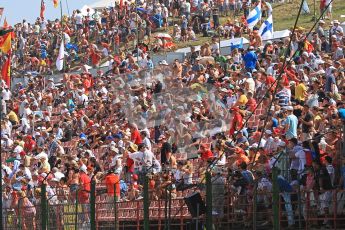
(229, 206)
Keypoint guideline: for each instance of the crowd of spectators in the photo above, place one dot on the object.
(172, 121)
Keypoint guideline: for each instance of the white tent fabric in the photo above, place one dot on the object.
(103, 4)
(279, 34)
(84, 10)
(226, 43)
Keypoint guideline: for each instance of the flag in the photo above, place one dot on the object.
(56, 3)
(5, 26)
(6, 71)
(59, 60)
(4, 32)
(236, 46)
(1, 11)
(254, 16)
(266, 29)
(43, 8)
(308, 46)
(5, 43)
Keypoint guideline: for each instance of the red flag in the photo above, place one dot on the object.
(43, 8)
(56, 3)
(6, 71)
(5, 24)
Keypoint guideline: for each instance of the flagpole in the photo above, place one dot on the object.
(67, 8)
(63, 63)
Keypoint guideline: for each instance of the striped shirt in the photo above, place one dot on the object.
(283, 97)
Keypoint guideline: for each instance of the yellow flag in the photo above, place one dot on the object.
(5, 43)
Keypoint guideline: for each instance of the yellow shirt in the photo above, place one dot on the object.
(12, 116)
(242, 100)
(299, 92)
(45, 167)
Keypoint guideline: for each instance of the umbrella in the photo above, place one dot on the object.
(164, 36)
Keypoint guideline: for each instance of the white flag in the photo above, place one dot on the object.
(254, 16)
(266, 29)
(59, 60)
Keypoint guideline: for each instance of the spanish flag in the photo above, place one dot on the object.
(56, 3)
(6, 71)
(5, 43)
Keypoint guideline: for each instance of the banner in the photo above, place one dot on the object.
(6, 71)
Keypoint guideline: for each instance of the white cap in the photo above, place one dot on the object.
(269, 132)
(83, 168)
(289, 108)
(255, 145)
(164, 62)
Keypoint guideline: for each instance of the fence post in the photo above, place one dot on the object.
(299, 207)
(275, 207)
(115, 208)
(255, 198)
(44, 209)
(76, 211)
(208, 201)
(146, 204)
(93, 205)
(19, 214)
(166, 209)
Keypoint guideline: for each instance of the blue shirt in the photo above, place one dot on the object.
(292, 121)
(275, 122)
(330, 79)
(341, 113)
(250, 60)
(150, 64)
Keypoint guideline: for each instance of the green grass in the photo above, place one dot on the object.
(284, 16)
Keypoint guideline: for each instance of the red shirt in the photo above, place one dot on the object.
(136, 138)
(29, 145)
(85, 181)
(251, 104)
(207, 154)
(237, 123)
(110, 181)
(270, 81)
(87, 85)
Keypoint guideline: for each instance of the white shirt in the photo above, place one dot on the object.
(83, 99)
(301, 159)
(6, 94)
(79, 19)
(251, 84)
(142, 159)
(147, 142)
